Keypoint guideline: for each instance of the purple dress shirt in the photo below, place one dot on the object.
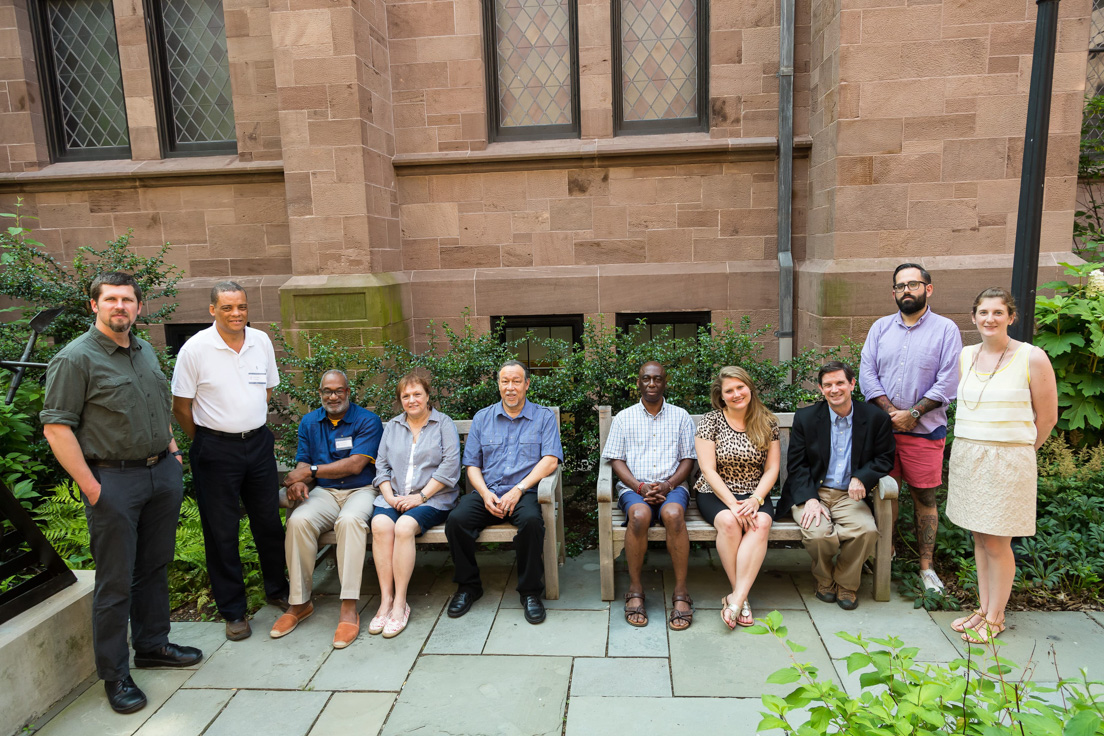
(906, 364)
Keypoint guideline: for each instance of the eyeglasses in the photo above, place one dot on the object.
(328, 392)
(911, 286)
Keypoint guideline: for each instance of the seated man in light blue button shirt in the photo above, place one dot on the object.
(511, 446)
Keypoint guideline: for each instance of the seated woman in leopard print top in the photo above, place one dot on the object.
(739, 455)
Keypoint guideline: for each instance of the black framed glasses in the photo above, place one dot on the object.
(338, 392)
(910, 286)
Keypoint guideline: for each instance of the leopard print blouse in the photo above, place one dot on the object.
(739, 463)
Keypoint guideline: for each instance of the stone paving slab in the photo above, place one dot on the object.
(186, 713)
(269, 712)
(1075, 637)
(91, 714)
(580, 587)
(563, 634)
(483, 695)
(626, 677)
(468, 634)
(375, 663)
(1097, 616)
(626, 640)
(709, 660)
(261, 662)
(353, 714)
(598, 716)
(896, 617)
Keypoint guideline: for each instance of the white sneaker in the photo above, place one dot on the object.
(930, 580)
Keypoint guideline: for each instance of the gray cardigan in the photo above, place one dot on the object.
(437, 456)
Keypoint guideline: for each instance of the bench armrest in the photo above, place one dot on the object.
(605, 481)
(546, 488)
(888, 490)
(284, 504)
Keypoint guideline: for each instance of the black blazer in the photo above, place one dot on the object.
(872, 448)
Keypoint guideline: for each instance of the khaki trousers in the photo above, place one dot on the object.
(851, 533)
(346, 512)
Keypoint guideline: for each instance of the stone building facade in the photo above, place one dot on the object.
(368, 188)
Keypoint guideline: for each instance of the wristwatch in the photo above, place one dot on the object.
(914, 412)
(424, 497)
(314, 471)
(177, 453)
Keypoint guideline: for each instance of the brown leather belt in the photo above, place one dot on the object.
(146, 462)
(230, 435)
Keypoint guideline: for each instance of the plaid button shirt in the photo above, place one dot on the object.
(652, 447)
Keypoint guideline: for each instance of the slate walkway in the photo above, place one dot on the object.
(584, 671)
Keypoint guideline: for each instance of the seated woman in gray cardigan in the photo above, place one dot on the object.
(416, 472)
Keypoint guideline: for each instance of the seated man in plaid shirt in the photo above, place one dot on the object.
(651, 449)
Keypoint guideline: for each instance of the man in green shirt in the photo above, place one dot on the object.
(106, 417)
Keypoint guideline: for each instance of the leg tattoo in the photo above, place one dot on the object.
(924, 496)
(927, 525)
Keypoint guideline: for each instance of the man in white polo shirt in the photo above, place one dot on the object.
(224, 377)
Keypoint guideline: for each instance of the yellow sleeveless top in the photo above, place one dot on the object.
(995, 407)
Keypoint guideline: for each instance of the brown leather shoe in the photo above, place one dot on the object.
(846, 599)
(238, 630)
(346, 633)
(287, 623)
(826, 593)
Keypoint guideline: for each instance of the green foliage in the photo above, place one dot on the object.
(901, 696)
(60, 516)
(1088, 223)
(1071, 331)
(38, 280)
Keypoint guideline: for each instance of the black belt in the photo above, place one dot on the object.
(230, 435)
(146, 462)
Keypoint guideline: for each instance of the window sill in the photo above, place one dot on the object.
(126, 174)
(640, 150)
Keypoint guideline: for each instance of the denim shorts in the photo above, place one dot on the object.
(679, 496)
(426, 516)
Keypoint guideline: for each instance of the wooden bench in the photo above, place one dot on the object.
(550, 495)
(611, 533)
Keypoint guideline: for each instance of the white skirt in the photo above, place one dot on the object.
(991, 488)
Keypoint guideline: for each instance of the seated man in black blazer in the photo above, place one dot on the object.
(839, 450)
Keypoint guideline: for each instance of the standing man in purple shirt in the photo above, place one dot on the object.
(511, 446)
(910, 369)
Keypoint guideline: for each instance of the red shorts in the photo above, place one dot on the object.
(919, 460)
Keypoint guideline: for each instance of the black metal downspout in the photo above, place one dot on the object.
(1029, 221)
(785, 182)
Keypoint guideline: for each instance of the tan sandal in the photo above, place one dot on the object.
(984, 632)
(959, 624)
(635, 610)
(727, 607)
(745, 612)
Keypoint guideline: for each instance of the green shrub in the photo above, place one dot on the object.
(901, 696)
(1071, 331)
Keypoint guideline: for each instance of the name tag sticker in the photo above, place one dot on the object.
(344, 443)
(257, 378)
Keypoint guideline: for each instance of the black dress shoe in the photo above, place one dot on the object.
(462, 601)
(170, 655)
(534, 609)
(124, 695)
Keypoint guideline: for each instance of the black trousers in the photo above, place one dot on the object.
(133, 535)
(227, 471)
(470, 517)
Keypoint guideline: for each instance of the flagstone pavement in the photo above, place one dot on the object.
(583, 671)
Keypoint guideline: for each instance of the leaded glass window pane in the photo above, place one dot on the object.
(533, 45)
(88, 83)
(659, 59)
(198, 71)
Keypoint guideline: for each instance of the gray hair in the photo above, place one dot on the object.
(512, 364)
(224, 287)
(330, 372)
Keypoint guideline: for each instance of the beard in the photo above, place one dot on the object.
(119, 323)
(337, 410)
(914, 303)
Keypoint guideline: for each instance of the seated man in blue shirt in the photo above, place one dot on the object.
(337, 452)
(512, 445)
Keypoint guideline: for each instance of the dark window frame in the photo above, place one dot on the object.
(497, 133)
(527, 322)
(178, 333)
(626, 320)
(700, 124)
(162, 95)
(51, 105)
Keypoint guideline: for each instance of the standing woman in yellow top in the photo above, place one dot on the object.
(1007, 405)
